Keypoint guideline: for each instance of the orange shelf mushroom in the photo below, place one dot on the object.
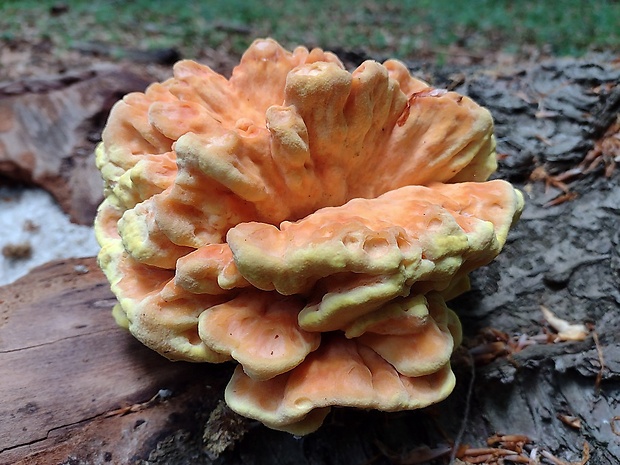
(307, 222)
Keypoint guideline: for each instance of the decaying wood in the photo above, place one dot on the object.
(49, 129)
(75, 389)
(69, 376)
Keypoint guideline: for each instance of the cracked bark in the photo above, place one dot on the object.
(65, 365)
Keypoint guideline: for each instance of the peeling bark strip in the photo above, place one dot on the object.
(49, 128)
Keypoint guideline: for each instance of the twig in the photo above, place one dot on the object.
(612, 423)
(470, 389)
(601, 360)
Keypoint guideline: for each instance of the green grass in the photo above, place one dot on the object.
(403, 28)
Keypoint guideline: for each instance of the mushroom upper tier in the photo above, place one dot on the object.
(307, 222)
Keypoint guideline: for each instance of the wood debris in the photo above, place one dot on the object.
(162, 394)
(515, 449)
(566, 331)
(500, 449)
(570, 420)
(606, 150)
(21, 251)
(493, 343)
(558, 181)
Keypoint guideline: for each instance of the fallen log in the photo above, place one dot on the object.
(75, 385)
(75, 389)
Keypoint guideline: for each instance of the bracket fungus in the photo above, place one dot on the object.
(306, 222)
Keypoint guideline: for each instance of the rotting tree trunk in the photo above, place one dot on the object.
(68, 374)
(66, 370)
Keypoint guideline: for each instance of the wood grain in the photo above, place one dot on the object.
(65, 366)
